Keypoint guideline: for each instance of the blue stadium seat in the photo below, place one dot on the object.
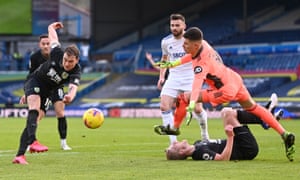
(123, 61)
(264, 62)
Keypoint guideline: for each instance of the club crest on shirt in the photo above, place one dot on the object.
(64, 75)
(197, 69)
(36, 89)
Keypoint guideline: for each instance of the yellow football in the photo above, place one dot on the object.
(93, 118)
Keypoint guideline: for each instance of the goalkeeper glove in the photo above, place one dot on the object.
(168, 64)
(190, 110)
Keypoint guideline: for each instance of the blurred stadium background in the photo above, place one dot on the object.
(258, 39)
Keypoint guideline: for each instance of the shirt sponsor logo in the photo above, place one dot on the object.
(178, 55)
(54, 76)
(218, 94)
(197, 69)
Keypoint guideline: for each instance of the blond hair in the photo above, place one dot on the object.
(174, 154)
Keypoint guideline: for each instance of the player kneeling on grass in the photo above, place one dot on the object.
(239, 145)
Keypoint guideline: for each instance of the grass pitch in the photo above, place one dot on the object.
(129, 149)
(16, 17)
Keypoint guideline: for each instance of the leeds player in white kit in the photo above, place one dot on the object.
(180, 78)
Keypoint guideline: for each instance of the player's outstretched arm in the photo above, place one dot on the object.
(69, 97)
(168, 64)
(52, 34)
(151, 61)
(23, 100)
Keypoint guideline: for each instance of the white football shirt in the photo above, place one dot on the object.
(173, 48)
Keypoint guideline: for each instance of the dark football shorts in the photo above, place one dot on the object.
(56, 95)
(33, 86)
(245, 146)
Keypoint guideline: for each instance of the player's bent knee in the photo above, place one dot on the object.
(60, 114)
(227, 112)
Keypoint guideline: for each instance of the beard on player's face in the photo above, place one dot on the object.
(177, 33)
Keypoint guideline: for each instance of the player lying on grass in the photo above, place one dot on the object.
(224, 85)
(239, 145)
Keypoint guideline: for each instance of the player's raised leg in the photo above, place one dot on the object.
(267, 117)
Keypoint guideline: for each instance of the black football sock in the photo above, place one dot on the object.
(268, 105)
(32, 125)
(62, 127)
(28, 134)
(23, 143)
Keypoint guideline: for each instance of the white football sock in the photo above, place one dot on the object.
(167, 118)
(63, 141)
(202, 121)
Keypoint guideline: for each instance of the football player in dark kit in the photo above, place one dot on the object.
(61, 68)
(239, 145)
(36, 59)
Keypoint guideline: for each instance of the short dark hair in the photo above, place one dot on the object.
(43, 36)
(72, 50)
(193, 34)
(177, 17)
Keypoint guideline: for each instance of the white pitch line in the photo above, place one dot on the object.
(5, 151)
(42, 154)
(13, 152)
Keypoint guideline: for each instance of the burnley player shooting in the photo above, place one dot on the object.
(61, 68)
